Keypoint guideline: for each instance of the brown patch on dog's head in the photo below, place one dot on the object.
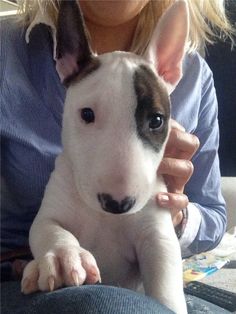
(152, 104)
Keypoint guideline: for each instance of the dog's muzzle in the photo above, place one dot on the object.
(112, 206)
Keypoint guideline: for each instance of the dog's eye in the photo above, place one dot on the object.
(87, 115)
(156, 121)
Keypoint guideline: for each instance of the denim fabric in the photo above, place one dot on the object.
(91, 299)
(78, 300)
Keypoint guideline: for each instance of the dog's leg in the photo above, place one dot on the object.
(59, 260)
(160, 260)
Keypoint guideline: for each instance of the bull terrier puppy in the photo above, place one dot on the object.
(99, 219)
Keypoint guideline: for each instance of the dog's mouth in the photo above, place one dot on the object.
(111, 205)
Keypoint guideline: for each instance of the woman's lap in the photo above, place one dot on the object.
(90, 299)
(85, 299)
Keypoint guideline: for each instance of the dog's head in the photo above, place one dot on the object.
(117, 109)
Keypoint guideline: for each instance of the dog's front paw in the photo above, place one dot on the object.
(58, 268)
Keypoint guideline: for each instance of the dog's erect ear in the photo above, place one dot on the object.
(167, 46)
(73, 52)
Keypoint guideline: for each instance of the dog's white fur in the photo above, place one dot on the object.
(140, 246)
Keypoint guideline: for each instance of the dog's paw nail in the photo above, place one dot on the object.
(75, 277)
(93, 276)
(25, 285)
(51, 283)
(98, 277)
(98, 283)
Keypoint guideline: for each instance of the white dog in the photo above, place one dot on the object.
(99, 219)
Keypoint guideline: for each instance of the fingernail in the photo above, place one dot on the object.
(163, 199)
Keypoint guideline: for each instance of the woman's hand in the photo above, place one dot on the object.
(177, 169)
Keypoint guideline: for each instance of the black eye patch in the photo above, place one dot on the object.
(153, 108)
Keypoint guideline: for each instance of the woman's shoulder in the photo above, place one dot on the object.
(195, 92)
(11, 36)
(195, 64)
(13, 32)
(11, 29)
(26, 64)
(197, 76)
(30, 86)
(14, 48)
(196, 68)
(13, 42)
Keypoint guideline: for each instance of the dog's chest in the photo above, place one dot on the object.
(109, 239)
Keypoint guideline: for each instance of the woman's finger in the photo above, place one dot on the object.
(173, 201)
(176, 125)
(181, 144)
(176, 168)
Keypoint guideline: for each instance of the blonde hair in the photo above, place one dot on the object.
(208, 20)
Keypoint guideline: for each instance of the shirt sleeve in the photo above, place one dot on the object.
(206, 222)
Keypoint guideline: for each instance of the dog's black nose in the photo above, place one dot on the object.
(112, 206)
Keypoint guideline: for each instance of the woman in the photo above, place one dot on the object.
(31, 123)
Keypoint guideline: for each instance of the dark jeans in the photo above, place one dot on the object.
(90, 299)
